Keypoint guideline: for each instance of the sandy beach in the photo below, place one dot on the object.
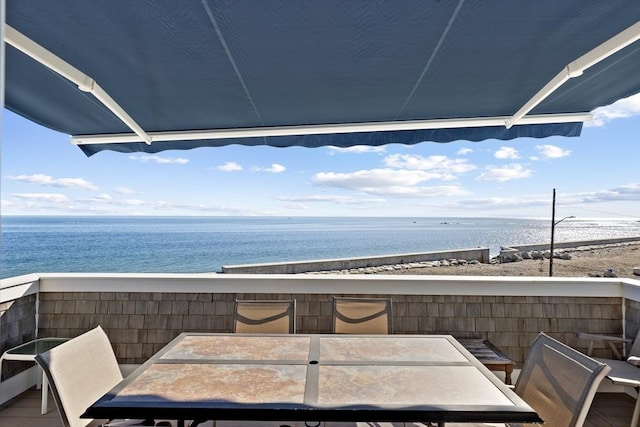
(583, 263)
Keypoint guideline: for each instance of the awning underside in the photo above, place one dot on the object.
(211, 65)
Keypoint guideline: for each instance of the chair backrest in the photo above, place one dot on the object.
(635, 346)
(265, 316)
(79, 372)
(559, 382)
(362, 315)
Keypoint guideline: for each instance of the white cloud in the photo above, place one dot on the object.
(41, 179)
(358, 149)
(296, 206)
(370, 178)
(314, 198)
(464, 151)
(200, 207)
(229, 167)
(507, 153)
(363, 201)
(124, 190)
(161, 160)
(74, 183)
(623, 108)
(501, 203)
(506, 173)
(389, 182)
(275, 168)
(44, 197)
(436, 191)
(5, 203)
(106, 199)
(343, 200)
(552, 152)
(630, 192)
(442, 165)
(131, 202)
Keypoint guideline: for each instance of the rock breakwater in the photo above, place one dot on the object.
(605, 260)
(381, 269)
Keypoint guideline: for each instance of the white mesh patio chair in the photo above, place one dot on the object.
(362, 315)
(80, 372)
(558, 382)
(625, 370)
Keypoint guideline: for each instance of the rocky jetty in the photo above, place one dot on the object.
(515, 255)
(381, 269)
(606, 260)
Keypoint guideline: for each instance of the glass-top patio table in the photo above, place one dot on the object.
(401, 378)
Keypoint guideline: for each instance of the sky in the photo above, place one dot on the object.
(596, 175)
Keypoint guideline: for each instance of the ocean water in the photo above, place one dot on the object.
(204, 244)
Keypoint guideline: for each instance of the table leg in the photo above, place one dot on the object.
(38, 381)
(636, 411)
(508, 370)
(44, 406)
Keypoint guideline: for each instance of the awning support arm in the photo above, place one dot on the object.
(577, 67)
(68, 71)
(329, 128)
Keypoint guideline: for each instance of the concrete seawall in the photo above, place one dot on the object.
(479, 254)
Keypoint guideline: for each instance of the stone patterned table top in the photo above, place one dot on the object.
(217, 382)
(240, 347)
(378, 385)
(388, 348)
(314, 377)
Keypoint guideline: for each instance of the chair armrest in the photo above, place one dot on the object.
(634, 360)
(603, 337)
(610, 340)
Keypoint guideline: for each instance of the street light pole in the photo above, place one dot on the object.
(553, 228)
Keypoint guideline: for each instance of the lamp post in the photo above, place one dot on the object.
(553, 227)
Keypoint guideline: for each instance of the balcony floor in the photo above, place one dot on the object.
(607, 410)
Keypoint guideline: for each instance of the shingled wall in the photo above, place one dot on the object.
(17, 325)
(140, 323)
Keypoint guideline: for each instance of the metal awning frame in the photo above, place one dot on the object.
(88, 84)
(577, 67)
(84, 82)
(3, 15)
(328, 129)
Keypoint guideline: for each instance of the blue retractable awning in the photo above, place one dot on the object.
(309, 73)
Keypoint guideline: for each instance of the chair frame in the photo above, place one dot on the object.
(289, 311)
(337, 315)
(564, 353)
